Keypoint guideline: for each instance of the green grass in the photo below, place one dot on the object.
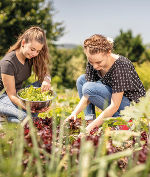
(14, 151)
(18, 159)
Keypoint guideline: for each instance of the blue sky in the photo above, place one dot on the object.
(83, 18)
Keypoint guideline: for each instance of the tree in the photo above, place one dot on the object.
(146, 54)
(18, 15)
(129, 46)
(67, 65)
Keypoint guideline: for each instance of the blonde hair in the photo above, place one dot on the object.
(98, 44)
(41, 61)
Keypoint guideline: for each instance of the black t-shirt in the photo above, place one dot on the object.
(12, 66)
(121, 77)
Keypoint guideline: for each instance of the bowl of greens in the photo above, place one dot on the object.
(35, 98)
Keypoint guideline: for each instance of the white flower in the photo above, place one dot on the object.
(110, 40)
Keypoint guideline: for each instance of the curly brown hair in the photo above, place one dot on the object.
(41, 61)
(98, 44)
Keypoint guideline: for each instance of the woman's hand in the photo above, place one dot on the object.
(45, 86)
(81, 135)
(81, 106)
(73, 116)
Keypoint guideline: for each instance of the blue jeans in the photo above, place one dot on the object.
(99, 95)
(11, 111)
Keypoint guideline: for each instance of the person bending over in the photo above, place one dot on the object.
(111, 82)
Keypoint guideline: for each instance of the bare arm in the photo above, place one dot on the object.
(82, 104)
(9, 85)
(108, 112)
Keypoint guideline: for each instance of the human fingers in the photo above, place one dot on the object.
(68, 118)
(81, 135)
(74, 118)
(45, 88)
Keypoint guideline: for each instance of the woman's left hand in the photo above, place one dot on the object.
(81, 135)
(45, 86)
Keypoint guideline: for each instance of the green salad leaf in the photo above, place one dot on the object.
(35, 94)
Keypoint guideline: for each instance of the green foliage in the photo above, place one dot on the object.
(11, 151)
(18, 15)
(67, 65)
(129, 46)
(146, 55)
(19, 159)
(57, 82)
(139, 113)
(144, 73)
(35, 94)
(59, 59)
(120, 136)
(30, 80)
(75, 67)
(64, 104)
(113, 122)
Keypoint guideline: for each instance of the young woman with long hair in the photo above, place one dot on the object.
(29, 51)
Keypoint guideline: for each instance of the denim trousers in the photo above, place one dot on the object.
(99, 95)
(11, 111)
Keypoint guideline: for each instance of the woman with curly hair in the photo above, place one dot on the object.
(15, 67)
(110, 83)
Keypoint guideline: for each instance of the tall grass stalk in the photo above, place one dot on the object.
(36, 152)
(101, 152)
(29, 168)
(135, 171)
(113, 170)
(11, 151)
(85, 157)
(72, 160)
(60, 161)
(137, 141)
(103, 161)
(69, 164)
(102, 169)
(147, 169)
(60, 140)
(103, 141)
(130, 162)
(52, 162)
(19, 149)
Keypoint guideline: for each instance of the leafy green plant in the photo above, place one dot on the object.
(35, 94)
(139, 113)
(144, 72)
(100, 154)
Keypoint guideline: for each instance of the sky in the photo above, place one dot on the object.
(83, 18)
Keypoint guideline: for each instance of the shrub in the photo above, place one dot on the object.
(144, 73)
